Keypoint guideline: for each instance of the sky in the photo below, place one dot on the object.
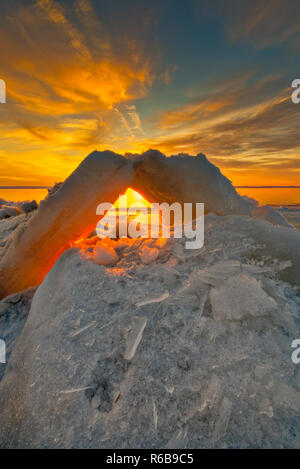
(128, 75)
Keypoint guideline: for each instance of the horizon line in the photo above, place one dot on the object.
(267, 187)
(236, 187)
(25, 187)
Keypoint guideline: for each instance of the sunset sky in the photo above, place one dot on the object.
(180, 76)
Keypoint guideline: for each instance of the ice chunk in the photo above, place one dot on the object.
(6, 212)
(148, 254)
(158, 299)
(70, 391)
(202, 304)
(254, 269)
(178, 440)
(215, 274)
(222, 420)
(212, 395)
(82, 329)
(269, 214)
(266, 408)
(286, 396)
(155, 414)
(277, 242)
(28, 207)
(135, 336)
(105, 255)
(240, 297)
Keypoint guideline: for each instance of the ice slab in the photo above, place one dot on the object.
(240, 297)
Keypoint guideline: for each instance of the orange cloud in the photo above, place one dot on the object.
(250, 137)
(65, 79)
(262, 22)
(72, 87)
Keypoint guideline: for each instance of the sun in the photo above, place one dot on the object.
(133, 199)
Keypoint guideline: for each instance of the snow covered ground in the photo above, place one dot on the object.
(181, 349)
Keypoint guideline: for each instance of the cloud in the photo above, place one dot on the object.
(264, 23)
(241, 124)
(134, 120)
(70, 78)
(270, 127)
(168, 74)
(79, 75)
(68, 65)
(223, 95)
(55, 13)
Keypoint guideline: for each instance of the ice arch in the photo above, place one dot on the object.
(70, 212)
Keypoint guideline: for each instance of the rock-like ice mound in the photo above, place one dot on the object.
(191, 350)
(7, 212)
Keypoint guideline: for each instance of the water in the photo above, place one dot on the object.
(23, 193)
(273, 195)
(265, 195)
(284, 199)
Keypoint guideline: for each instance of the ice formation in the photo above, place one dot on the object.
(69, 211)
(7, 212)
(187, 351)
(240, 297)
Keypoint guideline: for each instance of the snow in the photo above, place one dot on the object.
(184, 352)
(14, 310)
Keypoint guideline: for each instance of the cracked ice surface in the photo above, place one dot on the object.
(191, 350)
